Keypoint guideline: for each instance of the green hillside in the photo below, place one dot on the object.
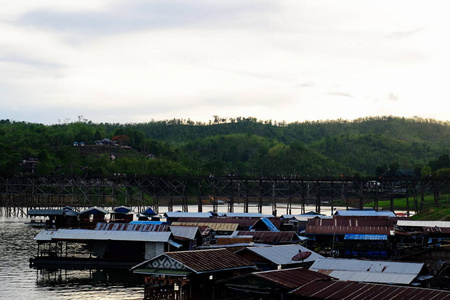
(223, 146)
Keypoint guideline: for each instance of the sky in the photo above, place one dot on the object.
(115, 61)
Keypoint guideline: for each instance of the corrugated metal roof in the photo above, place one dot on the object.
(411, 223)
(214, 226)
(438, 230)
(365, 213)
(94, 210)
(102, 235)
(291, 278)
(347, 225)
(187, 232)
(245, 215)
(209, 260)
(368, 271)
(269, 237)
(282, 254)
(243, 222)
(122, 210)
(149, 212)
(198, 261)
(131, 226)
(52, 212)
(269, 224)
(180, 214)
(367, 237)
(337, 290)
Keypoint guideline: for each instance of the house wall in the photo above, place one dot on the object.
(153, 249)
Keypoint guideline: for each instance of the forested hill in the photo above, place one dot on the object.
(241, 146)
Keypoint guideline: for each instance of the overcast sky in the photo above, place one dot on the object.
(137, 61)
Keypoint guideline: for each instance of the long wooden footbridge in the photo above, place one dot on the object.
(283, 195)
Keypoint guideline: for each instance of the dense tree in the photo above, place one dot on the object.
(230, 146)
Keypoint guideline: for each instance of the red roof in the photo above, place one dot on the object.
(355, 291)
(350, 225)
(291, 278)
(271, 237)
(210, 260)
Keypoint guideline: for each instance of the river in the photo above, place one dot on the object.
(19, 281)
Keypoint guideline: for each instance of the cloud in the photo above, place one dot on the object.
(392, 97)
(142, 15)
(340, 94)
(28, 61)
(404, 34)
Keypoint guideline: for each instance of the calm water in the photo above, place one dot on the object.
(19, 281)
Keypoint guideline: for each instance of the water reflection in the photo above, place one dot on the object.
(19, 281)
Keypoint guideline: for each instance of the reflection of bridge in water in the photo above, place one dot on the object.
(17, 194)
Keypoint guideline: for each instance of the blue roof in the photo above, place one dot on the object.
(269, 225)
(93, 211)
(149, 212)
(365, 213)
(122, 209)
(371, 237)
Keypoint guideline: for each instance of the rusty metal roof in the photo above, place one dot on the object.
(355, 290)
(201, 261)
(243, 222)
(355, 225)
(270, 237)
(291, 278)
(131, 227)
(438, 230)
(214, 226)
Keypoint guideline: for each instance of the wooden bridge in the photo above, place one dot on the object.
(283, 195)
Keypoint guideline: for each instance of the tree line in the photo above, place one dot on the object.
(243, 146)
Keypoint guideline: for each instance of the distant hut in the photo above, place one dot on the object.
(122, 214)
(91, 216)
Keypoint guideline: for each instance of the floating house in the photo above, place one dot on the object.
(148, 215)
(91, 216)
(353, 236)
(190, 274)
(107, 247)
(122, 214)
(53, 218)
(188, 236)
